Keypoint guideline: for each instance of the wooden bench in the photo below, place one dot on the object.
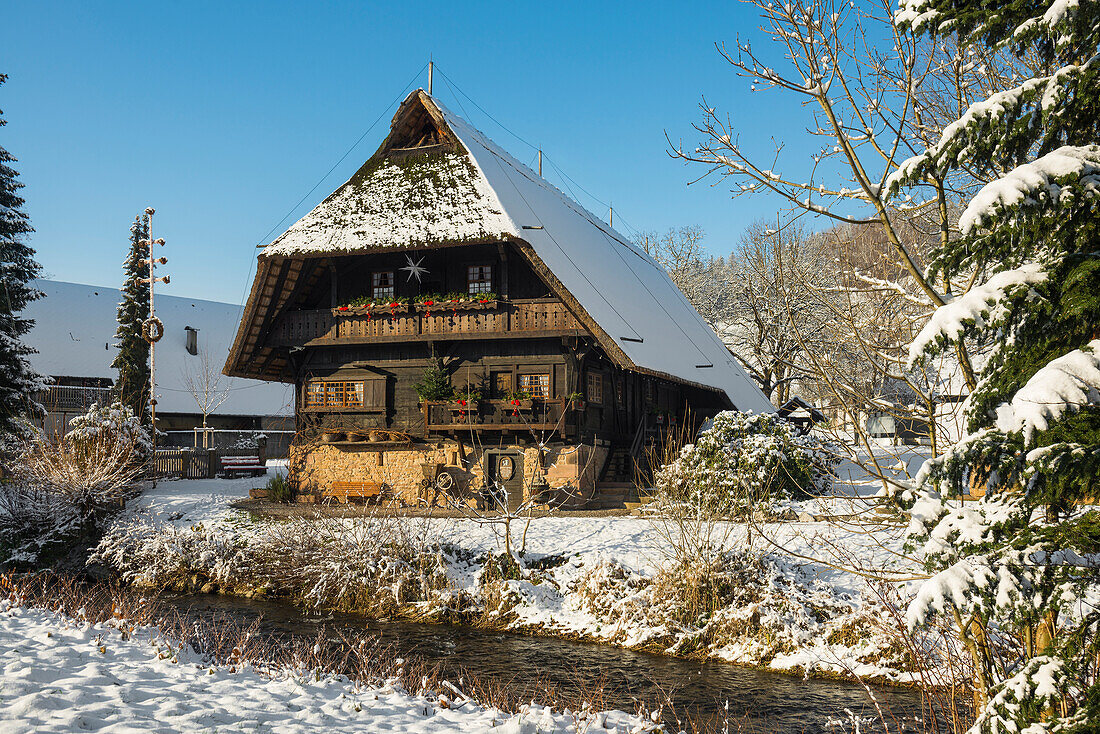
(249, 466)
(345, 492)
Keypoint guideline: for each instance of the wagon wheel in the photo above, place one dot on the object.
(444, 482)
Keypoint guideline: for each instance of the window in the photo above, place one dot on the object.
(382, 284)
(191, 340)
(595, 388)
(537, 386)
(479, 278)
(332, 394)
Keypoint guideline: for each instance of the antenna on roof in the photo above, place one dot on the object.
(611, 216)
(540, 161)
(431, 71)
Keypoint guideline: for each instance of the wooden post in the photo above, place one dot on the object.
(502, 250)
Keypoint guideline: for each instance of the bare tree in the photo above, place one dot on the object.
(872, 108)
(203, 380)
(776, 277)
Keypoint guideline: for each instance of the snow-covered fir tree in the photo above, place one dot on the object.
(18, 268)
(1017, 572)
(132, 360)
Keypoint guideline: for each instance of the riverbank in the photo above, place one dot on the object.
(612, 580)
(81, 671)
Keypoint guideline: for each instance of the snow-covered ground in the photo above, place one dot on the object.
(59, 674)
(798, 602)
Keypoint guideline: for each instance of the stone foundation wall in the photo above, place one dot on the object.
(571, 471)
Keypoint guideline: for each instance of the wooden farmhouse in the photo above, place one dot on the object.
(564, 347)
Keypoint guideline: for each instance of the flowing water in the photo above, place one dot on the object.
(700, 691)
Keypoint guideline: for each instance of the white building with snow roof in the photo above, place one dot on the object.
(74, 337)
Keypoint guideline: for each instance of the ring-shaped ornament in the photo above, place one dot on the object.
(152, 330)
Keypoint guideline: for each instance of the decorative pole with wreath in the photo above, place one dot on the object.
(153, 328)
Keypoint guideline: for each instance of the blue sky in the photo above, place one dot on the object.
(223, 115)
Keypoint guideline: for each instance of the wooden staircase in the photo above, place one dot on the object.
(619, 466)
(612, 495)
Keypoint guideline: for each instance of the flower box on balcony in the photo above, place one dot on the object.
(465, 406)
(520, 404)
(373, 309)
(443, 304)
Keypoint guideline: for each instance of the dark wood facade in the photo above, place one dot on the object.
(357, 368)
(419, 259)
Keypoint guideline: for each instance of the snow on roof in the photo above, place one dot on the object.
(487, 194)
(400, 203)
(625, 290)
(74, 334)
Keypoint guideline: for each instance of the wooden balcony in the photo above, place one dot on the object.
(501, 319)
(497, 415)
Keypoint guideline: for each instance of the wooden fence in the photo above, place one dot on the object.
(194, 463)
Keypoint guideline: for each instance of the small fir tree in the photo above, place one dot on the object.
(1016, 572)
(436, 384)
(132, 360)
(18, 269)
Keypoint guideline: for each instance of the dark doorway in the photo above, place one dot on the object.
(505, 468)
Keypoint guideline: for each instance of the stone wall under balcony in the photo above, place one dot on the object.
(570, 470)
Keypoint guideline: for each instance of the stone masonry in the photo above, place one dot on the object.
(571, 471)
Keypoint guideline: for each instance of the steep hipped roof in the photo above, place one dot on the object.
(464, 188)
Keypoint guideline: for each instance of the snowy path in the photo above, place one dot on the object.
(60, 675)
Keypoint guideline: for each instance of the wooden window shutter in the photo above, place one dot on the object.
(374, 393)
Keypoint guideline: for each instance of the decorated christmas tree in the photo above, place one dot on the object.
(132, 360)
(1017, 571)
(18, 268)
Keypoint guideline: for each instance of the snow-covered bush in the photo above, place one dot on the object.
(114, 423)
(746, 461)
(61, 485)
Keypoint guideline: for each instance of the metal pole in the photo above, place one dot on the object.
(152, 344)
(151, 323)
(431, 71)
(540, 161)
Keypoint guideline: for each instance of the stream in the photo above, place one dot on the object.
(699, 690)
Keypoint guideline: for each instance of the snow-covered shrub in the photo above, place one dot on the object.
(150, 553)
(61, 485)
(248, 442)
(743, 462)
(114, 423)
(371, 565)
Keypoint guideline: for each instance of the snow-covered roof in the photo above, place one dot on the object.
(74, 334)
(404, 203)
(476, 191)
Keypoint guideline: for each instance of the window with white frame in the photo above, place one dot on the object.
(479, 278)
(595, 388)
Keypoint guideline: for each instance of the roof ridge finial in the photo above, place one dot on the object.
(431, 73)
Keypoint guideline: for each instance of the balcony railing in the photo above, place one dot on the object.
(537, 414)
(74, 398)
(535, 317)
